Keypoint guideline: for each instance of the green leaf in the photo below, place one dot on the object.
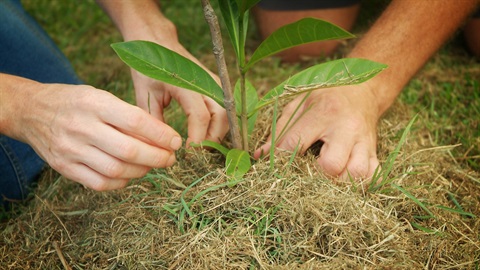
(237, 163)
(245, 5)
(300, 32)
(230, 14)
(252, 100)
(237, 25)
(340, 72)
(160, 63)
(220, 148)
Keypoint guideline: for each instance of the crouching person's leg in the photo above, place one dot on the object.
(25, 51)
(20, 166)
(472, 33)
(273, 14)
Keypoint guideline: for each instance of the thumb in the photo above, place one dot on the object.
(262, 150)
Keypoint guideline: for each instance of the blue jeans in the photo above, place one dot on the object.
(26, 51)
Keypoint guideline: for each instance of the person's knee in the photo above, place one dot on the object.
(269, 20)
(472, 36)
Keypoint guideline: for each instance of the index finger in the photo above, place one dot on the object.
(139, 123)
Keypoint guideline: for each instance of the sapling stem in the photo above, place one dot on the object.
(218, 50)
(244, 112)
(243, 91)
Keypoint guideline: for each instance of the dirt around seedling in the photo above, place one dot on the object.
(292, 217)
(289, 218)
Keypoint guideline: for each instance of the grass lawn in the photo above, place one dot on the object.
(185, 217)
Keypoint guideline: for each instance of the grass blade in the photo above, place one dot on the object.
(414, 199)
(392, 157)
(457, 211)
(423, 229)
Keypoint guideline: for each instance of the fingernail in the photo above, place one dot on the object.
(171, 160)
(176, 143)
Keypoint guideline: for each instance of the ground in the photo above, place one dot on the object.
(291, 217)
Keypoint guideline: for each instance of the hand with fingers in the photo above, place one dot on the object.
(206, 119)
(344, 119)
(92, 137)
(143, 20)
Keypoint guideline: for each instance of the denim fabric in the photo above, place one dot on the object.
(19, 167)
(27, 51)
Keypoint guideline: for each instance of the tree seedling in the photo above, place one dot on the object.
(243, 103)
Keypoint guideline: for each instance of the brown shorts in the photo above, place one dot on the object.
(476, 14)
(305, 4)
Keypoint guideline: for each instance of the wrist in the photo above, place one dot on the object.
(159, 29)
(140, 20)
(383, 91)
(16, 98)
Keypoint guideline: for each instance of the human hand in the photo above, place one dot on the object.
(144, 21)
(94, 138)
(205, 118)
(344, 119)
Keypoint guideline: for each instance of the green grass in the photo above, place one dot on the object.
(283, 214)
(450, 106)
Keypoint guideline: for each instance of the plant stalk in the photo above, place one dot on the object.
(243, 91)
(218, 51)
(244, 112)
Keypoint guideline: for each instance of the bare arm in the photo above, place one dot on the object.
(137, 19)
(345, 118)
(86, 134)
(143, 20)
(406, 35)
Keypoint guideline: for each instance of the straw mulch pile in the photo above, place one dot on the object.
(291, 217)
(288, 218)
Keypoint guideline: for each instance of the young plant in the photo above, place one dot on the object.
(243, 104)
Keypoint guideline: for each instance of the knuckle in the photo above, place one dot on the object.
(113, 169)
(332, 166)
(292, 142)
(198, 116)
(354, 124)
(290, 108)
(331, 108)
(136, 119)
(104, 184)
(164, 159)
(163, 134)
(90, 96)
(203, 117)
(222, 116)
(123, 183)
(127, 151)
(62, 146)
(142, 172)
(100, 185)
(60, 166)
(358, 170)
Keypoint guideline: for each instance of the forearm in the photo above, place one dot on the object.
(407, 34)
(139, 19)
(16, 94)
